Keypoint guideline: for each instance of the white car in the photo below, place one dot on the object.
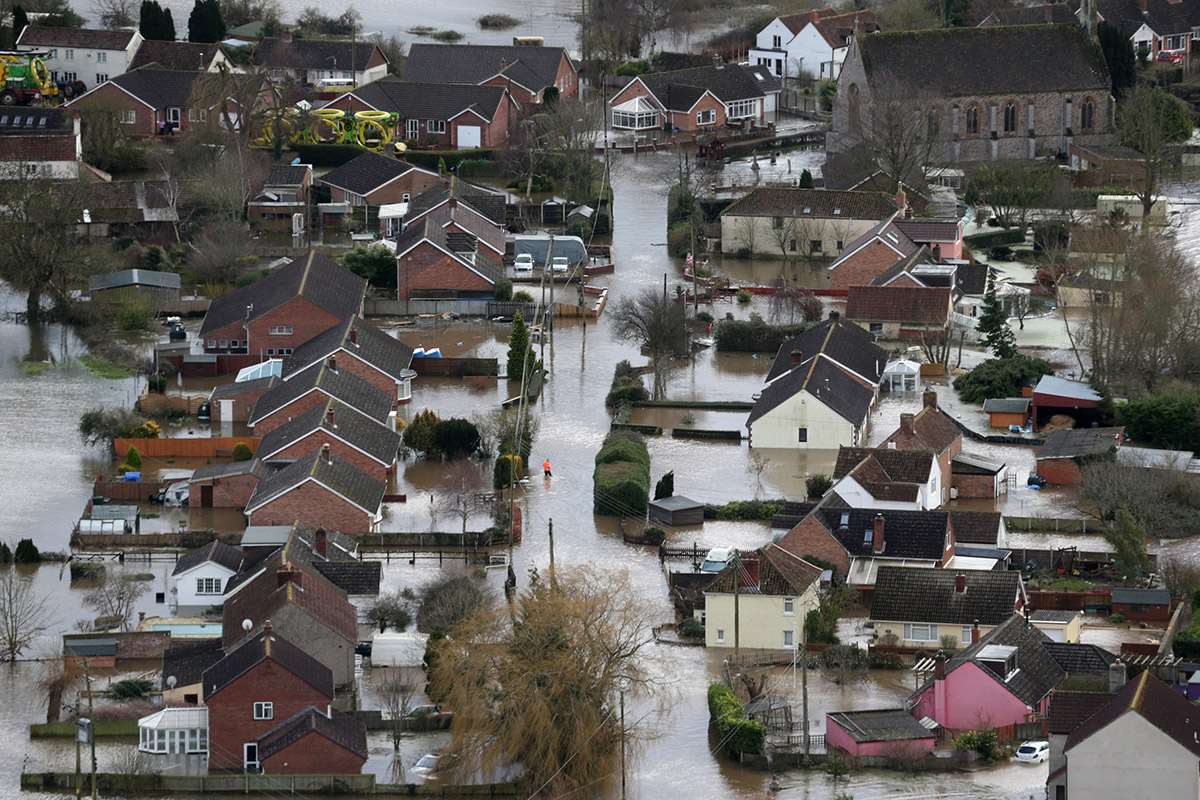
(431, 762)
(523, 263)
(1034, 752)
(560, 265)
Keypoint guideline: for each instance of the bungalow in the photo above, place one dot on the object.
(702, 99)
(1075, 399)
(319, 490)
(1003, 679)
(885, 732)
(820, 389)
(362, 349)
(337, 742)
(313, 61)
(900, 312)
(368, 445)
(432, 261)
(446, 115)
(330, 553)
(371, 179)
(315, 387)
(44, 142)
(1142, 605)
(284, 195)
(887, 477)
(82, 54)
(528, 73)
(225, 485)
(785, 222)
(275, 315)
(1059, 459)
(776, 591)
(943, 608)
(199, 577)
(181, 56)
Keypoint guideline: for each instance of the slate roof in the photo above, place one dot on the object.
(1163, 16)
(180, 56)
(1007, 405)
(845, 343)
(877, 467)
(904, 265)
(773, 201)
(884, 725)
(838, 30)
(187, 662)
(371, 437)
(909, 594)
(355, 578)
(1079, 442)
(385, 353)
(314, 54)
(1009, 60)
(475, 63)
(1157, 703)
(253, 467)
(259, 648)
(84, 38)
(342, 730)
(237, 388)
(341, 384)
(904, 304)
(216, 551)
(906, 534)
(1068, 710)
(134, 277)
(365, 173)
(929, 230)
(338, 474)
(1053, 615)
(1050, 13)
(680, 89)
(485, 230)
(885, 230)
(780, 573)
(460, 244)
(36, 121)
(288, 175)
(157, 87)
(318, 279)
(797, 22)
(1080, 658)
(486, 202)
(1154, 597)
(823, 379)
(975, 527)
(436, 101)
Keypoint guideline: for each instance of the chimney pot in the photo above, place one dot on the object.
(325, 452)
(960, 583)
(929, 399)
(1116, 676)
(286, 36)
(906, 423)
(267, 628)
(353, 335)
(321, 543)
(877, 541)
(796, 357)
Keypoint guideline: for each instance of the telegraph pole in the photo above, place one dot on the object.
(91, 724)
(804, 685)
(551, 524)
(737, 583)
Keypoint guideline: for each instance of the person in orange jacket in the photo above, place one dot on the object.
(546, 467)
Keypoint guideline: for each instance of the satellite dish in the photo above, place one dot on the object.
(171, 681)
(247, 624)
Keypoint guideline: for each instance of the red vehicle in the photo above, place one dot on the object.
(1171, 56)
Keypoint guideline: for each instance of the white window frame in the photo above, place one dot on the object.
(197, 115)
(412, 128)
(68, 55)
(101, 57)
(101, 77)
(789, 639)
(280, 330)
(789, 606)
(911, 629)
(741, 109)
(965, 638)
(708, 117)
(720, 636)
(435, 126)
(208, 585)
(264, 710)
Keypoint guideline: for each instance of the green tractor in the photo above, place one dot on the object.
(24, 79)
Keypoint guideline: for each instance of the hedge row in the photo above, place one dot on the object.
(739, 735)
(753, 336)
(745, 509)
(996, 238)
(621, 481)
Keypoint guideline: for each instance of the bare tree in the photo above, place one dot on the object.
(116, 597)
(746, 234)
(60, 675)
(397, 693)
(23, 615)
(654, 321)
(791, 302)
(1155, 124)
(463, 491)
(756, 466)
(897, 132)
(652, 17)
(116, 13)
(783, 234)
(221, 252)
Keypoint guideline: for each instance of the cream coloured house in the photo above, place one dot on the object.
(802, 223)
(775, 594)
(930, 607)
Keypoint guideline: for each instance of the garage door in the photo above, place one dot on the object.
(468, 136)
(1055, 634)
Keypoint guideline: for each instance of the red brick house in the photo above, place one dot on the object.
(374, 180)
(870, 255)
(368, 445)
(699, 99)
(273, 316)
(225, 485)
(315, 741)
(445, 115)
(434, 262)
(488, 204)
(258, 683)
(312, 61)
(930, 429)
(319, 490)
(234, 402)
(526, 72)
(362, 349)
(44, 141)
(900, 312)
(314, 387)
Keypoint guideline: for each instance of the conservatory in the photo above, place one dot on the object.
(902, 375)
(174, 730)
(638, 114)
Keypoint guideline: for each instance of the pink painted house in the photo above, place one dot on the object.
(886, 732)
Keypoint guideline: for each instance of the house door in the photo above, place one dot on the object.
(226, 408)
(469, 136)
(412, 128)
(206, 496)
(250, 757)
(173, 115)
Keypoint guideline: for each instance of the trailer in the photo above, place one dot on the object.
(25, 79)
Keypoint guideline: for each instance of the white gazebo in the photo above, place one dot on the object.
(638, 114)
(902, 375)
(174, 730)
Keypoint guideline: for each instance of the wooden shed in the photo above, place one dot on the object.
(677, 511)
(1142, 605)
(1005, 411)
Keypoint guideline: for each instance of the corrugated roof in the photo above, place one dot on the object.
(1061, 387)
(253, 467)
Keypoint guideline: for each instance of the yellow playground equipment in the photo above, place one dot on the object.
(24, 78)
(373, 130)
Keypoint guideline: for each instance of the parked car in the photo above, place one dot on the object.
(428, 717)
(1033, 752)
(523, 263)
(1171, 56)
(430, 763)
(560, 265)
(716, 559)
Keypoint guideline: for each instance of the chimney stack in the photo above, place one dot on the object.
(975, 632)
(325, 453)
(267, 632)
(906, 424)
(1145, 7)
(286, 574)
(321, 543)
(902, 199)
(329, 418)
(749, 573)
(286, 36)
(1116, 676)
(929, 399)
(877, 542)
(797, 357)
(960, 583)
(939, 667)
(332, 363)
(353, 335)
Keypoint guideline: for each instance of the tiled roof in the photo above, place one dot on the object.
(355, 578)
(434, 101)
(344, 731)
(838, 30)
(904, 304)
(919, 256)
(884, 725)
(780, 573)
(976, 527)
(338, 474)
(487, 202)
(253, 467)
(36, 121)
(288, 175)
(261, 647)
(957, 62)
(373, 438)
(481, 228)
(911, 594)
(843, 342)
(932, 430)
(385, 353)
(1080, 442)
(216, 551)
(318, 279)
(1080, 658)
(1069, 709)
(886, 231)
(1054, 615)
(475, 63)
(1164, 17)
(296, 544)
(237, 388)
(463, 246)
(681, 89)
(180, 56)
(1050, 13)
(186, 662)
(773, 201)
(342, 384)
(898, 466)
(1037, 671)
(907, 534)
(83, 38)
(314, 54)
(797, 22)
(365, 173)
(824, 380)
(157, 87)
(1157, 703)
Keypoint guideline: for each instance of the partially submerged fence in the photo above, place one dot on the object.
(200, 447)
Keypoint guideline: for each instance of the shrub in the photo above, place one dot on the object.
(679, 240)
(654, 534)
(817, 485)
(743, 296)
(27, 553)
(456, 437)
(522, 296)
(739, 734)
(1163, 420)
(620, 488)
(133, 459)
(508, 470)
(6, 554)
(624, 450)
(704, 316)
(1116, 619)
(665, 486)
(247, 278)
(626, 394)
(242, 452)
(745, 509)
(87, 571)
(131, 688)
(158, 384)
(504, 291)
(632, 69)
(541, 183)
(986, 743)
(753, 336)
(133, 317)
(691, 628)
(419, 434)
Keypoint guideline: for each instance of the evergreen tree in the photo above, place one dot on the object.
(19, 20)
(205, 23)
(521, 359)
(1119, 56)
(1128, 540)
(993, 325)
(806, 180)
(155, 22)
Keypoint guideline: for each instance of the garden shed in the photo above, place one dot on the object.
(875, 733)
(677, 511)
(1142, 605)
(1005, 411)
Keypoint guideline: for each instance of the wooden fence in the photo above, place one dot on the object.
(136, 491)
(1020, 731)
(155, 403)
(188, 540)
(201, 447)
(1053, 525)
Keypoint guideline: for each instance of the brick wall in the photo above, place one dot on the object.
(311, 755)
(32, 147)
(1059, 471)
(1158, 613)
(864, 266)
(109, 97)
(315, 507)
(231, 492)
(568, 77)
(292, 409)
(973, 486)
(809, 537)
(231, 720)
(425, 267)
(524, 98)
(313, 441)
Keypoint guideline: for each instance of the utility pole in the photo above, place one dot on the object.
(91, 724)
(622, 741)
(695, 267)
(737, 585)
(551, 525)
(804, 685)
(548, 317)
(78, 753)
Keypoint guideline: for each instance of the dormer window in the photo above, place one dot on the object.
(845, 523)
(1000, 660)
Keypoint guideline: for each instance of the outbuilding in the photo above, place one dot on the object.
(877, 733)
(677, 511)
(1060, 396)
(1005, 411)
(1063, 452)
(1142, 605)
